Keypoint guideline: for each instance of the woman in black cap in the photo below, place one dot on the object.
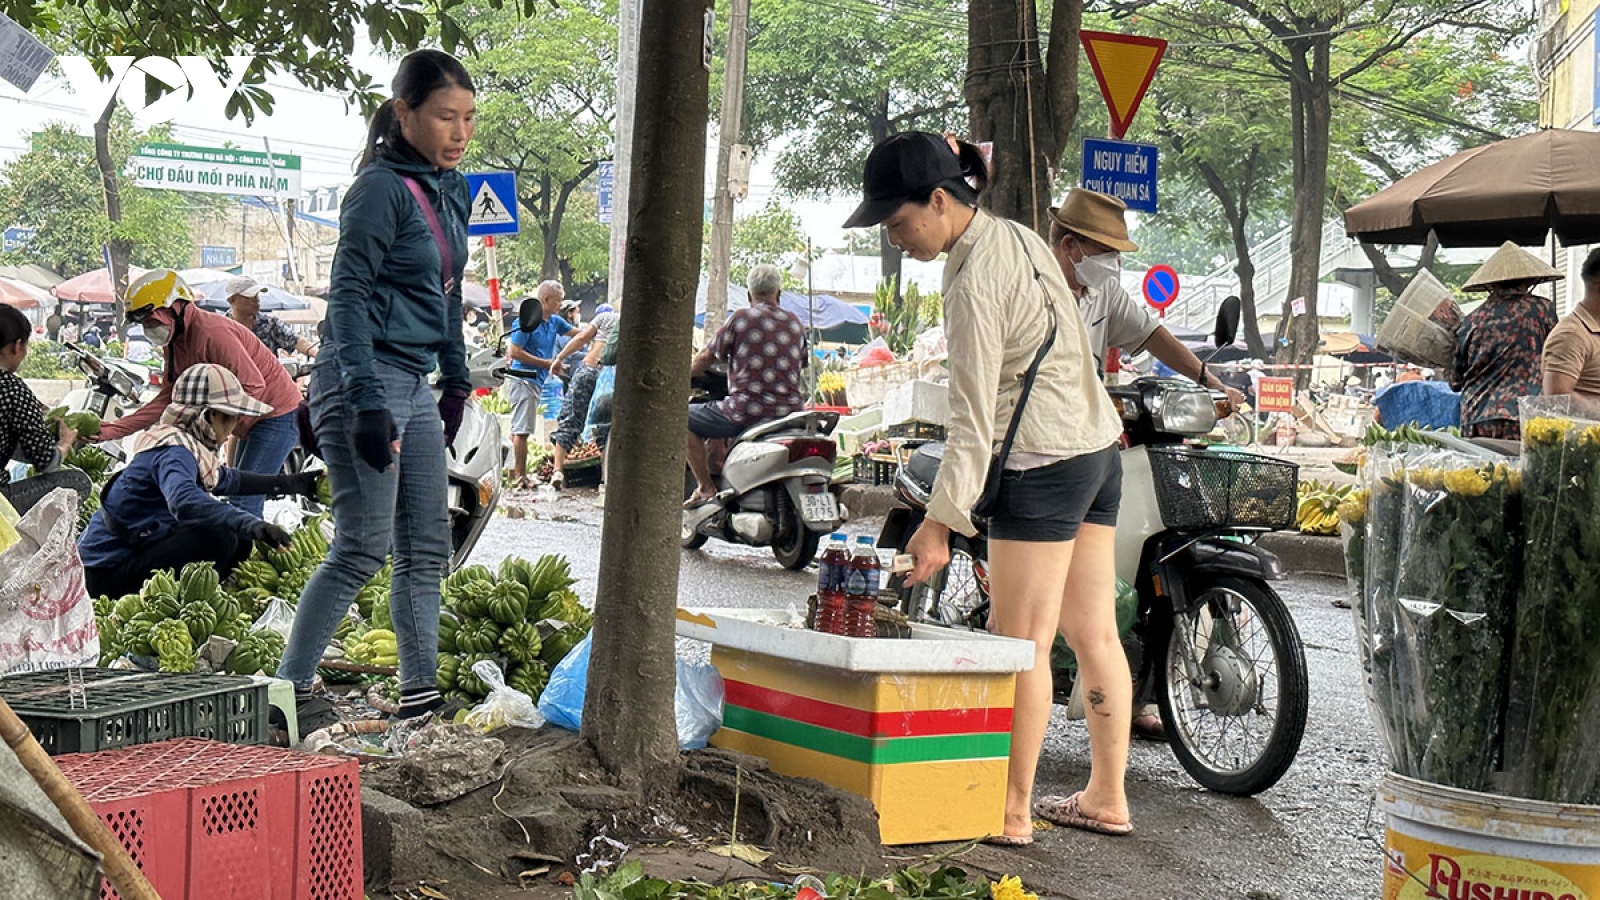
(1010, 319)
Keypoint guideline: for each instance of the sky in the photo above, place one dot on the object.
(327, 137)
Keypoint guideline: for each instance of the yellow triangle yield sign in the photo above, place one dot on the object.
(1124, 65)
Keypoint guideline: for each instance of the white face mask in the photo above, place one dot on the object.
(1099, 270)
(159, 335)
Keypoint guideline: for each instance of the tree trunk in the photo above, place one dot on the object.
(1061, 72)
(888, 255)
(551, 268)
(1008, 102)
(628, 707)
(1388, 275)
(1309, 100)
(120, 249)
(1236, 209)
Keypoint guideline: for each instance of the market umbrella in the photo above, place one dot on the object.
(1513, 190)
(92, 287)
(33, 274)
(22, 295)
(273, 299)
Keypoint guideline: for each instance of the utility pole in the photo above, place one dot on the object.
(622, 165)
(722, 203)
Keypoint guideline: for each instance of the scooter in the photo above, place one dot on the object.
(1209, 639)
(112, 388)
(472, 465)
(773, 488)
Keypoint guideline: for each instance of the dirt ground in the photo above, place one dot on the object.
(522, 813)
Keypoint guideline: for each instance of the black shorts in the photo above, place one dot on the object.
(707, 420)
(1050, 502)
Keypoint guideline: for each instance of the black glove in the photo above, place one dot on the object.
(252, 484)
(268, 533)
(374, 437)
(452, 406)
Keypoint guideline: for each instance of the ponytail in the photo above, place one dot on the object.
(974, 178)
(974, 168)
(383, 131)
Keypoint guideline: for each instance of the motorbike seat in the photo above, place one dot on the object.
(923, 466)
(806, 421)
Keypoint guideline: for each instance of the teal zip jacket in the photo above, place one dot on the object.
(387, 300)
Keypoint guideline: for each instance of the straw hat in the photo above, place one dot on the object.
(1511, 263)
(1096, 216)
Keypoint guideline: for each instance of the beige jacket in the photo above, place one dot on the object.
(995, 320)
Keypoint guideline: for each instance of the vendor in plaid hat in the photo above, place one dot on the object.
(162, 511)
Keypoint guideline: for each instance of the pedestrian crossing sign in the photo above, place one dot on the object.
(494, 203)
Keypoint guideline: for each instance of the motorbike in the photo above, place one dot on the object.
(472, 465)
(112, 387)
(773, 485)
(1208, 639)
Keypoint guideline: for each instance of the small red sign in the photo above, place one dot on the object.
(1275, 395)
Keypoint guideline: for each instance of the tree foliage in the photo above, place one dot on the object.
(54, 188)
(546, 87)
(826, 83)
(1328, 54)
(773, 236)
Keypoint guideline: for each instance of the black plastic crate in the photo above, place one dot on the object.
(122, 708)
(875, 471)
(1199, 489)
(921, 431)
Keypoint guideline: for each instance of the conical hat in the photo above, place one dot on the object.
(1511, 263)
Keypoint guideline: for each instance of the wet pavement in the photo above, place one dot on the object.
(1313, 835)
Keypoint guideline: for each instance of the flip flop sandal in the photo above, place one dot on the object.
(1068, 813)
(1147, 727)
(1009, 840)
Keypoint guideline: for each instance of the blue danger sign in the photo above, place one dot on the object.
(1160, 287)
(1123, 169)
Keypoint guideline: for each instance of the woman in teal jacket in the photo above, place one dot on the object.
(394, 314)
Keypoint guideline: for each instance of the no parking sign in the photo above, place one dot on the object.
(1160, 287)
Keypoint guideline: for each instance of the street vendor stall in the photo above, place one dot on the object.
(1481, 664)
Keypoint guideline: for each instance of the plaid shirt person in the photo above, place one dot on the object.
(273, 332)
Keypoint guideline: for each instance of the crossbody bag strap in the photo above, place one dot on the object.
(445, 258)
(1032, 374)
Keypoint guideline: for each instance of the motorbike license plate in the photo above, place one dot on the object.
(819, 508)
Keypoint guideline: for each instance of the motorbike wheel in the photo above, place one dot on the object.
(688, 538)
(796, 545)
(956, 596)
(1232, 686)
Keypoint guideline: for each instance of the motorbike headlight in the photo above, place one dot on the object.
(1185, 410)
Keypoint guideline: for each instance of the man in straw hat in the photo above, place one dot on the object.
(1088, 237)
(1498, 355)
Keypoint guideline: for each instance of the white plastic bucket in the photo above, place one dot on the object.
(1452, 844)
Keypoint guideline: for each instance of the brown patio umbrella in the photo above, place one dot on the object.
(1513, 190)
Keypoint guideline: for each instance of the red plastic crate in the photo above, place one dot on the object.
(212, 821)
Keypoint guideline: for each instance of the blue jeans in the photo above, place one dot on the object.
(263, 450)
(403, 509)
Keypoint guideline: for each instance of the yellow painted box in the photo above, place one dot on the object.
(921, 727)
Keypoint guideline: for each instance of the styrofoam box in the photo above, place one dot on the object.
(917, 401)
(782, 633)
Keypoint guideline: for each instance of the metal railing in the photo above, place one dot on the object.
(1196, 309)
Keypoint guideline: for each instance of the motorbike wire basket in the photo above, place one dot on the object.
(1200, 490)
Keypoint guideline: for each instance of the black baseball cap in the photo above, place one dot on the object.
(900, 166)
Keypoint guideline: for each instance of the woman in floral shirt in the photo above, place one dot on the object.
(1498, 356)
(23, 433)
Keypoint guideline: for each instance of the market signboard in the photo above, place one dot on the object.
(213, 170)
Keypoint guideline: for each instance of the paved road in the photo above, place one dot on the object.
(1311, 836)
